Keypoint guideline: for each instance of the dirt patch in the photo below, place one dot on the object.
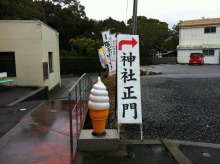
(110, 83)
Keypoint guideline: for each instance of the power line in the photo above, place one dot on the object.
(126, 13)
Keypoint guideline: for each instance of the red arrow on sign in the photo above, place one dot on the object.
(132, 42)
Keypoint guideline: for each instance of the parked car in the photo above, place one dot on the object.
(196, 58)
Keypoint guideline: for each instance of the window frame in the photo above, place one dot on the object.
(50, 62)
(208, 52)
(8, 63)
(210, 29)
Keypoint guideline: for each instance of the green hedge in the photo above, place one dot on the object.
(146, 60)
(78, 66)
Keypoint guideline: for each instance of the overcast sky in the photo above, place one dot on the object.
(170, 11)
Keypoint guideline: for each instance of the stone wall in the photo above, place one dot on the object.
(165, 60)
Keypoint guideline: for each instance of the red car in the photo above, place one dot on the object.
(196, 58)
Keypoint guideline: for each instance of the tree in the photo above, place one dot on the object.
(176, 27)
(67, 17)
(21, 10)
(151, 32)
(75, 6)
(84, 47)
(172, 41)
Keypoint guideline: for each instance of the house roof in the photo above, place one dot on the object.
(200, 22)
(199, 46)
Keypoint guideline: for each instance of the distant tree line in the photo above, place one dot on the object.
(81, 36)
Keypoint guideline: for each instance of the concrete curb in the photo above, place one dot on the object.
(25, 97)
(172, 147)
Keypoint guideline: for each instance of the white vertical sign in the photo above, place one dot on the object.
(114, 46)
(128, 79)
(108, 48)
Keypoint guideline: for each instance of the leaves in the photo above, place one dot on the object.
(81, 36)
(84, 47)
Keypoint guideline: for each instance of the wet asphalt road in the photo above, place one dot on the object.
(183, 103)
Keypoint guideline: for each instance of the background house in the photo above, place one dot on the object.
(29, 53)
(202, 36)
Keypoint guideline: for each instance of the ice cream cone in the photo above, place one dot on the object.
(99, 118)
(98, 108)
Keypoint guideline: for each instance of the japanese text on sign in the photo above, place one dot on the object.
(109, 48)
(128, 79)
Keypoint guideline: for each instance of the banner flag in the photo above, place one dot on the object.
(108, 49)
(102, 57)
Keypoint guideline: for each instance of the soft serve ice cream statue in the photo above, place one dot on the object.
(99, 108)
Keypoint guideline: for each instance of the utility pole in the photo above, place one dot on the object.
(134, 31)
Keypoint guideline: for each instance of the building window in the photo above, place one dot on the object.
(7, 63)
(50, 61)
(208, 52)
(210, 29)
(45, 70)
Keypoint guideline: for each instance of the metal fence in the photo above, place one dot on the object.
(78, 104)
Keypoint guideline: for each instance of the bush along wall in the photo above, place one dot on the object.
(79, 65)
(146, 60)
(165, 60)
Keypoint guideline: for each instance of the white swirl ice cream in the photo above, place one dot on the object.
(98, 99)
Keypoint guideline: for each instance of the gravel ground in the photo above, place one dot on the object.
(179, 108)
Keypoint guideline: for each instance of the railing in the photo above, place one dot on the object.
(78, 103)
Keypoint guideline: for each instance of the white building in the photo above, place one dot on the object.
(202, 36)
(29, 53)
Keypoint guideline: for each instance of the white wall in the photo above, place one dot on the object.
(212, 59)
(27, 60)
(193, 39)
(31, 41)
(10, 30)
(196, 36)
(50, 43)
(183, 55)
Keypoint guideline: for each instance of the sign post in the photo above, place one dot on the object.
(128, 81)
